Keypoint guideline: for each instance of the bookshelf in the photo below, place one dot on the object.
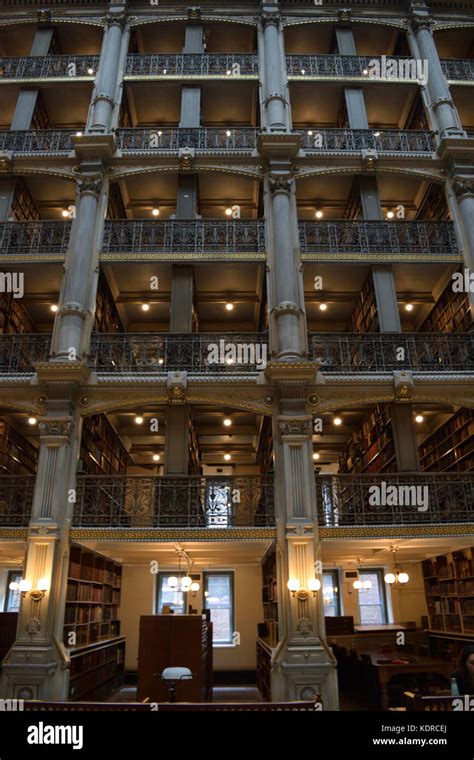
(91, 614)
(270, 597)
(451, 313)
(364, 317)
(450, 446)
(23, 206)
(265, 446)
(106, 317)
(449, 592)
(102, 451)
(371, 448)
(14, 318)
(17, 455)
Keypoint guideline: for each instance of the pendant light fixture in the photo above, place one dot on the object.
(183, 582)
(396, 578)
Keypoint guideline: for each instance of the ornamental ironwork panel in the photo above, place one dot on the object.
(383, 141)
(49, 66)
(349, 353)
(373, 237)
(457, 68)
(174, 501)
(343, 66)
(16, 498)
(192, 64)
(177, 236)
(204, 353)
(37, 141)
(394, 499)
(201, 138)
(34, 238)
(19, 352)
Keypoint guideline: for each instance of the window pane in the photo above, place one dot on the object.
(330, 595)
(219, 601)
(371, 601)
(174, 599)
(12, 603)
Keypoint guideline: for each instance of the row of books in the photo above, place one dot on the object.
(85, 592)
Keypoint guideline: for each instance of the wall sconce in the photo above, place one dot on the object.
(26, 587)
(314, 584)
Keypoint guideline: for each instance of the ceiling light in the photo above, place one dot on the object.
(419, 418)
(337, 421)
(155, 211)
(376, 134)
(165, 71)
(145, 307)
(32, 420)
(229, 306)
(365, 72)
(228, 211)
(65, 213)
(323, 307)
(408, 307)
(228, 72)
(78, 134)
(227, 457)
(160, 133)
(403, 577)
(156, 457)
(303, 72)
(54, 307)
(390, 214)
(357, 585)
(319, 214)
(161, 361)
(389, 578)
(315, 455)
(310, 132)
(229, 361)
(139, 420)
(172, 582)
(228, 133)
(227, 422)
(90, 71)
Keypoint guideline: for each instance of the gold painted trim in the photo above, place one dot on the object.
(421, 531)
(188, 77)
(43, 80)
(389, 258)
(146, 20)
(173, 534)
(12, 534)
(196, 257)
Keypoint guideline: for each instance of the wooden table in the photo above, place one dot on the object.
(386, 670)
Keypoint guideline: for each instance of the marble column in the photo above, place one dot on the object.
(275, 107)
(37, 665)
(443, 112)
(463, 191)
(106, 94)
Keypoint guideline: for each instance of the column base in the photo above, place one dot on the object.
(35, 672)
(303, 670)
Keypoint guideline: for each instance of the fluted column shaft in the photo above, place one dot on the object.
(275, 106)
(104, 99)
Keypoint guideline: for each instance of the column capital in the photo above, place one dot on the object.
(57, 431)
(463, 187)
(116, 19)
(280, 184)
(295, 428)
(269, 18)
(194, 15)
(90, 185)
(344, 17)
(420, 19)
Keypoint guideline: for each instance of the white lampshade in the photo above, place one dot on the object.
(43, 584)
(195, 586)
(389, 578)
(293, 584)
(403, 577)
(357, 585)
(172, 582)
(14, 586)
(25, 585)
(186, 583)
(314, 584)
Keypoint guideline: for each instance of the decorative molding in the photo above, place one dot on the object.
(304, 626)
(463, 187)
(423, 531)
(116, 19)
(90, 186)
(56, 428)
(404, 384)
(280, 184)
(295, 426)
(270, 19)
(174, 534)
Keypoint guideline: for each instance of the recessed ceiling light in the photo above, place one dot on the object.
(229, 306)
(90, 71)
(376, 134)
(229, 361)
(160, 133)
(138, 420)
(303, 72)
(54, 307)
(161, 361)
(315, 455)
(227, 457)
(78, 134)
(227, 422)
(419, 418)
(337, 421)
(228, 72)
(65, 212)
(228, 211)
(228, 133)
(319, 214)
(145, 307)
(390, 214)
(155, 211)
(408, 307)
(156, 457)
(310, 132)
(32, 420)
(323, 307)
(365, 72)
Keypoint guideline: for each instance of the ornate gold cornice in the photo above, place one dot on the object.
(423, 531)
(173, 534)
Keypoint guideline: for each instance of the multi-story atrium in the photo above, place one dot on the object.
(237, 247)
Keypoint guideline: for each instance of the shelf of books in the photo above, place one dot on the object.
(92, 625)
(371, 448)
(449, 591)
(451, 445)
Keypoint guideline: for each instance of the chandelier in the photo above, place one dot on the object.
(397, 578)
(183, 581)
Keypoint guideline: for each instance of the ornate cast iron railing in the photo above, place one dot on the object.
(383, 141)
(189, 64)
(365, 237)
(174, 501)
(349, 353)
(394, 499)
(37, 141)
(205, 353)
(457, 68)
(19, 352)
(49, 67)
(176, 236)
(34, 238)
(172, 139)
(347, 66)
(16, 498)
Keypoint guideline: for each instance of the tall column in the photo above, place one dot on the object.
(275, 108)
(440, 103)
(304, 666)
(286, 295)
(36, 666)
(404, 434)
(107, 86)
(462, 186)
(77, 298)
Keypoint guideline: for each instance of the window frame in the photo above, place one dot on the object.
(159, 577)
(335, 583)
(230, 575)
(11, 574)
(379, 572)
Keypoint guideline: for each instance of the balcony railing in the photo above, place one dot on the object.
(231, 65)
(397, 238)
(16, 498)
(193, 237)
(19, 352)
(358, 353)
(47, 141)
(68, 67)
(394, 499)
(209, 140)
(202, 353)
(458, 69)
(383, 141)
(174, 502)
(348, 66)
(32, 239)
